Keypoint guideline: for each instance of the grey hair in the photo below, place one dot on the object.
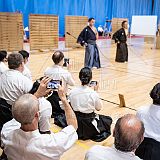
(128, 133)
(25, 108)
(15, 60)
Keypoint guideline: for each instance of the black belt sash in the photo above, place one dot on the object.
(91, 42)
(87, 130)
(85, 115)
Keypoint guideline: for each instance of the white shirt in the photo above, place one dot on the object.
(27, 72)
(84, 99)
(45, 114)
(3, 67)
(13, 84)
(100, 29)
(20, 145)
(58, 73)
(150, 116)
(109, 153)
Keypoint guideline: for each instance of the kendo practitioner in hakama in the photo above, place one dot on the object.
(88, 38)
(120, 38)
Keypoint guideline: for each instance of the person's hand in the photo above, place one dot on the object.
(62, 94)
(42, 89)
(82, 43)
(116, 40)
(96, 87)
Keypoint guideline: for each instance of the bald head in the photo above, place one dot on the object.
(57, 57)
(25, 109)
(128, 133)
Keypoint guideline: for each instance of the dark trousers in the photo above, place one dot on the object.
(54, 100)
(122, 52)
(92, 58)
(57, 113)
(5, 116)
(86, 130)
(149, 149)
(5, 112)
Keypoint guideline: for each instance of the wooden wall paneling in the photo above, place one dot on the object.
(43, 31)
(11, 31)
(74, 25)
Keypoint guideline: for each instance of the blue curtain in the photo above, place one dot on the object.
(91, 8)
(156, 9)
(127, 8)
(24, 6)
(99, 9)
(1, 5)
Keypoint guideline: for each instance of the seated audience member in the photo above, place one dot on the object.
(57, 72)
(13, 84)
(128, 134)
(150, 116)
(26, 71)
(85, 101)
(3, 59)
(45, 110)
(22, 140)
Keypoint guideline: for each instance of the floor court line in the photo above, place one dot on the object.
(84, 146)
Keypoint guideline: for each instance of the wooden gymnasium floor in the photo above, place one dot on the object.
(134, 80)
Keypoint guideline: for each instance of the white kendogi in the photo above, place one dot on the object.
(57, 72)
(13, 84)
(3, 67)
(150, 116)
(27, 72)
(33, 145)
(84, 99)
(109, 153)
(45, 110)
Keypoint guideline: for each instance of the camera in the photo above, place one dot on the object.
(66, 62)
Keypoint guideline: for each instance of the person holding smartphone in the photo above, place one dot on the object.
(21, 138)
(61, 76)
(85, 101)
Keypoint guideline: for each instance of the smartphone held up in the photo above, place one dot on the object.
(54, 84)
(93, 83)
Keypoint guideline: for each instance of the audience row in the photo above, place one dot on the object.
(26, 109)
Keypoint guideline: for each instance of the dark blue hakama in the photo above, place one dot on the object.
(92, 58)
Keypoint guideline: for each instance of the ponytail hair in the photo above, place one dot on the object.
(85, 75)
